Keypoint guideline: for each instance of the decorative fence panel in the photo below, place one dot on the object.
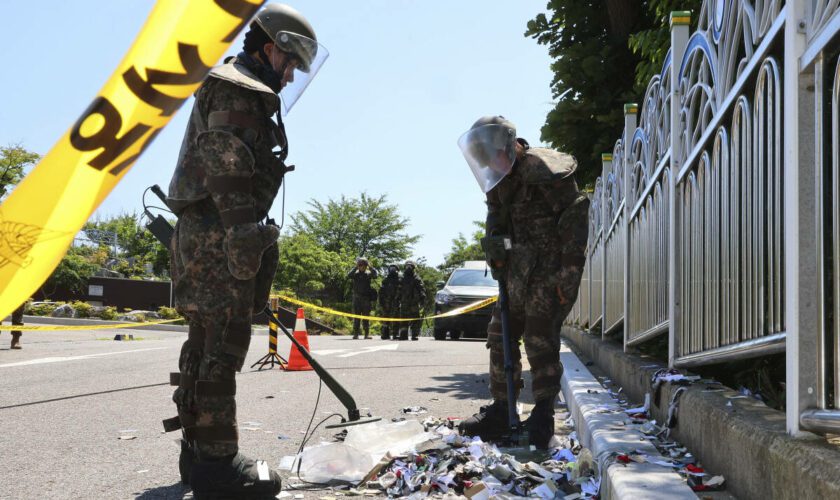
(717, 219)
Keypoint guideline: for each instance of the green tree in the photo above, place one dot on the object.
(366, 226)
(133, 242)
(74, 270)
(306, 268)
(604, 52)
(463, 250)
(13, 160)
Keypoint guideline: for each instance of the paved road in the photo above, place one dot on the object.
(67, 397)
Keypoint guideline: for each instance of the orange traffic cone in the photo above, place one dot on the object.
(296, 360)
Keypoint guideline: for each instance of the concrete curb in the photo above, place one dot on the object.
(584, 396)
(742, 439)
(49, 320)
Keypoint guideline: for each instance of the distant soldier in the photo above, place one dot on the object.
(363, 294)
(17, 319)
(412, 298)
(537, 229)
(389, 302)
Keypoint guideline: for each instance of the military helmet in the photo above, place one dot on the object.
(410, 263)
(290, 31)
(496, 120)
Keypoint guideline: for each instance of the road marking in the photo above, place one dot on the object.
(60, 359)
(327, 352)
(367, 350)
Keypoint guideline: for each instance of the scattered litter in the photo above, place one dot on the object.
(282, 437)
(128, 431)
(298, 496)
(143, 471)
(284, 494)
(126, 437)
(252, 424)
(250, 428)
(414, 410)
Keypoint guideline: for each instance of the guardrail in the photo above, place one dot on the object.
(717, 219)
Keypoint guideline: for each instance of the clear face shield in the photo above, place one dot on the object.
(310, 56)
(490, 152)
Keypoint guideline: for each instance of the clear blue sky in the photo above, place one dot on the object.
(404, 79)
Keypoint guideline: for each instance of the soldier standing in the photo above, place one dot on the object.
(536, 235)
(412, 298)
(389, 301)
(224, 257)
(363, 292)
(17, 319)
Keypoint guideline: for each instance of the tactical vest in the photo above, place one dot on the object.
(261, 135)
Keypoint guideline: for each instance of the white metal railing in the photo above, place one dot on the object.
(717, 216)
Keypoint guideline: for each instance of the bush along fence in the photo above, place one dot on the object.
(716, 220)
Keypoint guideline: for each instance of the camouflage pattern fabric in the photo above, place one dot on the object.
(362, 291)
(546, 218)
(389, 302)
(222, 259)
(412, 298)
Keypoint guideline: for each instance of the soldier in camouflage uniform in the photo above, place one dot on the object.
(224, 257)
(412, 299)
(537, 230)
(361, 276)
(389, 302)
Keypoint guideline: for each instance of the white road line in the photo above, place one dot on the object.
(59, 359)
(367, 350)
(327, 352)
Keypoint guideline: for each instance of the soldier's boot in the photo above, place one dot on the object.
(233, 477)
(540, 424)
(15, 341)
(403, 334)
(385, 333)
(491, 422)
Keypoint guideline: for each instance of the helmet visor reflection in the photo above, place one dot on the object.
(490, 153)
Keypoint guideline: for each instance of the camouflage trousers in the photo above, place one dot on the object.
(390, 310)
(219, 308)
(536, 313)
(362, 306)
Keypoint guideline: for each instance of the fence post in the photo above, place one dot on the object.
(680, 21)
(631, 111)
(803, 381)
(605, 166)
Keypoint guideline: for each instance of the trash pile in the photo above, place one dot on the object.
(674, 455)
(430, 459)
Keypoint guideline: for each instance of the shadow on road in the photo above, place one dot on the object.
(468, 385)
(174, 491)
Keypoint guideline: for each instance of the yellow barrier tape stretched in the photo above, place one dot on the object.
(454, 312)
(177, 46)
(47, 328)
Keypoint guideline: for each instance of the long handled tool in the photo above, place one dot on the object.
(517, 436)
(353, 415)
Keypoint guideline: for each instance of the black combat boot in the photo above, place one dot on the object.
(385, 335)
(403, 334)
(491, 422)
(540, 424)
(233, 477)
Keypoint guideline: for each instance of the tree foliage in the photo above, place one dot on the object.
(306, 268)
(13, 161)
(136, 246)
(365, 226)
(463, 249)
(74, 270)
(603, 52)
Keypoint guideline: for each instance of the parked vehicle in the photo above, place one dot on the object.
(469, 283)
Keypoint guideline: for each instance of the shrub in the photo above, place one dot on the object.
(83, 309)
(168, 313)
(43, 309)
(109, 313)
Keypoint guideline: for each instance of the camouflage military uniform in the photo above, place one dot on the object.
(223, 258)
(412, 298)
(389, 303)
(362, 292)
(538, 205)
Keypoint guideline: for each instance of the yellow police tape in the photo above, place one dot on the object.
(48, 328)
(177, 46)
(454, 312)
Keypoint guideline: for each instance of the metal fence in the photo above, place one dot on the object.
(719, 216)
